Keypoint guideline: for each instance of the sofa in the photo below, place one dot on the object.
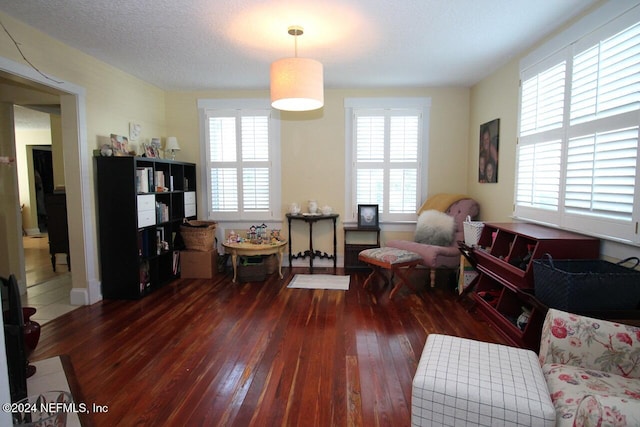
(587, 373)
(592, 370)
(436, 257)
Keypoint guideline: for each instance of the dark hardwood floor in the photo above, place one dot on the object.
(214, 353)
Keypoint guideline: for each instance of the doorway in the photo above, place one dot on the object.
(47, 288)
(77, 161)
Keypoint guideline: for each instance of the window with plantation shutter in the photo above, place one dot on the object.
(386, 149)
(543, 100)
(577, 155)
(241, 146)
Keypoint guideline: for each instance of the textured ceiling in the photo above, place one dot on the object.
(214, 44)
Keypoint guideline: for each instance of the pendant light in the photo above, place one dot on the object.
(297, 83)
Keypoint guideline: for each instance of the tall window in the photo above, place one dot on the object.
(242, 150)
(385, 150)
(577, 156)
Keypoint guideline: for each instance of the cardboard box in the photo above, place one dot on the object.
(198, 264)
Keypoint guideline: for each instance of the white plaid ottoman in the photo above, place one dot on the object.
(462, 382)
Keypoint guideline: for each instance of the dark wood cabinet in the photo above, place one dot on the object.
(57, 226)
(356, 240)
(505, 286)
(141, 204)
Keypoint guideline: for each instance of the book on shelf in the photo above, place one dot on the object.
(145, 179)
(159, 179)
(162, 212)
(159, 239)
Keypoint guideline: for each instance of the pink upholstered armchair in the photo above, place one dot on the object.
(457, 206)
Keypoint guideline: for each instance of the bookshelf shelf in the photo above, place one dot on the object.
(141, 204)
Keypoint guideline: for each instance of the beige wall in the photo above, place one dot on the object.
(112, 99)
(496, 97)
(313, 144)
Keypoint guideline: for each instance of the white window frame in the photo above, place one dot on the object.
(207, 107)
(608, 20)
(423, 104)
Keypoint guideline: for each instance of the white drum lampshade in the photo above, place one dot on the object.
(172, 146)
(297, 84)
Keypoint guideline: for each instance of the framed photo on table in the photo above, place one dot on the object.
(367, 216)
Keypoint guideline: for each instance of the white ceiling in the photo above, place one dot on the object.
(214, 44)
(26, 118)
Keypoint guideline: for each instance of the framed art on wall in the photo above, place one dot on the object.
(368, 216)
(488, 158)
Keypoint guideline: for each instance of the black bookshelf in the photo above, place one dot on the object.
(141, 204)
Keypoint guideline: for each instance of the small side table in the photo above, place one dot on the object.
(311, 253)
(250, 249)
(351, 250)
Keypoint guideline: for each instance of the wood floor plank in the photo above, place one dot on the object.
(215, 353)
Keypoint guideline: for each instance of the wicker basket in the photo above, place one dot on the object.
(199, 235)
(251, 269)
(583, 285)
(271, 263)
(472, 231)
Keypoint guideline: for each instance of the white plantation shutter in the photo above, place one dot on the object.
(538, 181)
(370, 139)
(240, 164)
(577, 166)
(255, 138)
(601, 174)
(605, 77)
(386, 160)
(224, 184)
(255, 185)
(222, 137)
(403, 191)
(370, 187)
(542, 104)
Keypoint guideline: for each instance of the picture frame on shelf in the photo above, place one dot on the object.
(155, 143)
(150, 150)
(119, 145)
(368, 216)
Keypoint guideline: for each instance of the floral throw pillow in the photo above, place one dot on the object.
(570, 339)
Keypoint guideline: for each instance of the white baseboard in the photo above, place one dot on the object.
(86, 296)
(317, 262)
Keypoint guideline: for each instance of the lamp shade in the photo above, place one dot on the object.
(172, 144)
(297, 84)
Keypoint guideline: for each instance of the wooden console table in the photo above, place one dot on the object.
(310, 220)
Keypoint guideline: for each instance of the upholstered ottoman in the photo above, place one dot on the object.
(462, 382)
(398, 261)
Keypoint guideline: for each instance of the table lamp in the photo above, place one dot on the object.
(172, 145)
